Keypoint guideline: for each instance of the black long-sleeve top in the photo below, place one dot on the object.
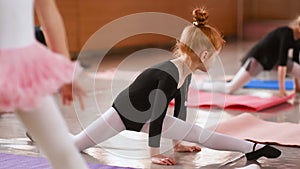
(273, 49)
(148, 97)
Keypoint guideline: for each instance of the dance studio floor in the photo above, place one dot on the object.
(129, 149)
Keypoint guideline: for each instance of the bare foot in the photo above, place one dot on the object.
(184, 148)
(163, 160)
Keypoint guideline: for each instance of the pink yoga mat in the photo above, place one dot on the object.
(248, 127)
(197, 98)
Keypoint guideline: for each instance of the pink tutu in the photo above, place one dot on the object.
(29, 73)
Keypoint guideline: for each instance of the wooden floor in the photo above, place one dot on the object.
(130, 148)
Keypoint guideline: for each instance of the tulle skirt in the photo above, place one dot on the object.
(29, 73)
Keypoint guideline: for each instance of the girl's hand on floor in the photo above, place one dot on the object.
(162, 160)
(282, 93)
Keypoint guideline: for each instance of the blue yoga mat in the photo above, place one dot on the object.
(269, 84)
(12, 161)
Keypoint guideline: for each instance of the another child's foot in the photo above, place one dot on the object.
(185, 148)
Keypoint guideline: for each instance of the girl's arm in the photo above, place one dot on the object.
(53, 26)
(180, 111)
(296, 55)
(297, 87)
(285, 43)
(55, 35)
(281, 80)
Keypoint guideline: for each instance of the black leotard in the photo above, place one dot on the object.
(142, 101)
(273, 48)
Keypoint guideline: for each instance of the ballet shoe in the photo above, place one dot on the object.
(266, 151)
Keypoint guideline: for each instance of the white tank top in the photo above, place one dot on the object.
(16, 23)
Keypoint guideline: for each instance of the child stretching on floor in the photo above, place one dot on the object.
(269, 53)
(142, 106)
(30, 74)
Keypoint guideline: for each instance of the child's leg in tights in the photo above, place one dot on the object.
(177, 129)
(47, 127)
(250, 69)
(105, 127)
(110, 124)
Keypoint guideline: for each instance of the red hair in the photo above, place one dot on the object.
(199, 35)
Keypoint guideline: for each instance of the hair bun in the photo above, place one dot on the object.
(200, 17)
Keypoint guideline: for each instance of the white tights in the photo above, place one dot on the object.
(240, 79)
(46, 125)
(110, 124)
(243, 76)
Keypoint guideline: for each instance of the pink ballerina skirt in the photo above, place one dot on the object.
(29, 73)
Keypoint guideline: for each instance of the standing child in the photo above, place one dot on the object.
(30, 74)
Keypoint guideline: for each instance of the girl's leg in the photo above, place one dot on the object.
(174, 128)
(47, 127)
(250, 69)
(105, 127)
